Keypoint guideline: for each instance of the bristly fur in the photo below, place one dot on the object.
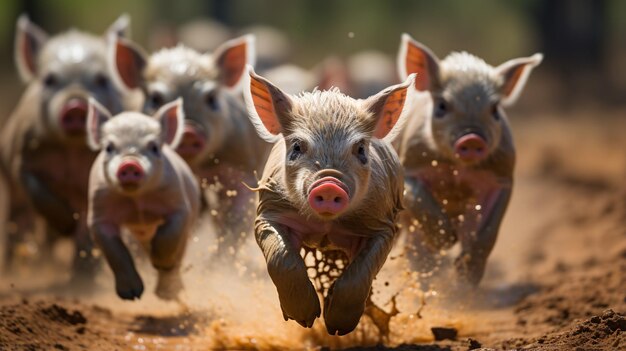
(180, 61)
(467, 74)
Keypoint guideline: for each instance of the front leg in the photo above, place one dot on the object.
(475, 249)
(345, 303)
(54, 209)
(438, 231)
(166, 252)
(298, 298)
(128, 283)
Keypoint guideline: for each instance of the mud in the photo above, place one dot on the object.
(556, 280)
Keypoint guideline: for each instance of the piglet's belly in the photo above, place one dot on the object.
(143, 232)
(321, 235)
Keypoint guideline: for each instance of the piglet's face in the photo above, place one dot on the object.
(69, 68)
(203, 81)
(328, 141)
(465, 118)
(132, 145)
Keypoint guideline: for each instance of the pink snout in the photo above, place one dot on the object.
(74, 116)
(191, 143)
(328, 197)
(130, 174)
(471, 148)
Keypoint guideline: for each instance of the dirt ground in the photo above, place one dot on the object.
(555, 281)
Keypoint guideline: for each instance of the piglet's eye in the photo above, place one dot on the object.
(297, 149)
(211, 101)
(110, 148)
(51, 80)
(441, 108)
(154, 148)
(361, 154)
(156, 99)
(495, 112)
(101, 80)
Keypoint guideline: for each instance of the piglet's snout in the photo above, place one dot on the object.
(191, 143)
(328, 196)
(74, 116)
(471, 148)
(130, 174)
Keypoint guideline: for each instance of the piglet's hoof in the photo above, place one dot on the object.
(169, 285)
(303, 308)
(129, 288)
(343, 308)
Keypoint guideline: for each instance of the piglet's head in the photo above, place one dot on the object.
(132, 144)
(468, 95)
(68, 68)
(328, 140)
(203, 81)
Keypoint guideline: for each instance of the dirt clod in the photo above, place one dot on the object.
(444, 333)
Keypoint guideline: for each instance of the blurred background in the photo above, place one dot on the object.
(584, 41)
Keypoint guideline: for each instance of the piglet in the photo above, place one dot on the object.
(332, 183)
(458, 154)
(140, 183)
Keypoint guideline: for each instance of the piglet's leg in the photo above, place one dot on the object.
(439, 233)
(298, 298)
(55, 210)
(128, 283)
(166, 252)
(85, 265)
(346, 298)
(475, 248)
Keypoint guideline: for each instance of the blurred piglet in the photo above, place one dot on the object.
(332, 183)
(43, 153)
(218, 141)
(458, 154)
(138, 182)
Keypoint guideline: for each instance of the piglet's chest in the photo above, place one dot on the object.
(142, 217)
(458, 190)
(321, 235)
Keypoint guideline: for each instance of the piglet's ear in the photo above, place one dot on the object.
(415, 57)
(172, 119)
(268, 107)
(514, 74)
(126, 62)
(29, 40)
(119, 28)
(231, 59)
(97, 115)
(390, 109)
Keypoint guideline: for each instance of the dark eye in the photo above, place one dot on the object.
(495, 112)
(110, 148)
(156, 99)
(154, 148)
(211, 101)
(441, 108)
(361, 154)
(296, 150)
(51, 80)
(101, 80)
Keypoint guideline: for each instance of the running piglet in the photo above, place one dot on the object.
(140, 183)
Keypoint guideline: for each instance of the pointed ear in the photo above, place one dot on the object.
(231, 59)
(514, 74)
(417, 58)
(120, 28)
(172, 119)
(390, 109)
(97, 115)
(126, 63)
(29, 40)
(268, 107)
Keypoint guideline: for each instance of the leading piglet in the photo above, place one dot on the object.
(332, 183)
(139, 182)
(458, 154)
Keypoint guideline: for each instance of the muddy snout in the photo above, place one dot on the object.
(471, 148)
(74, 116)
(192, 142)
(130, 174)
(328, 196)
